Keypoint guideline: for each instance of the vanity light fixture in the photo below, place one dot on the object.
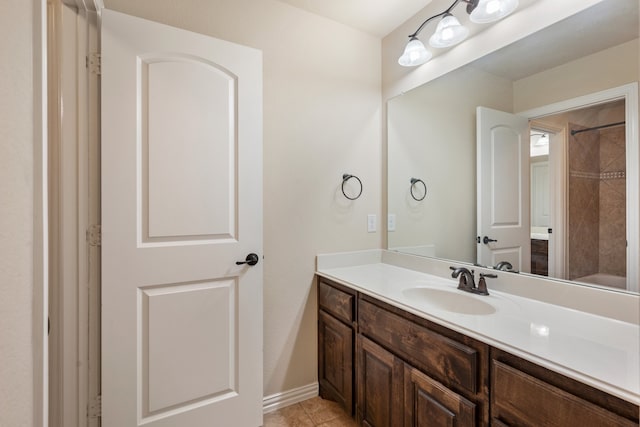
(541, 140)
(449, 31)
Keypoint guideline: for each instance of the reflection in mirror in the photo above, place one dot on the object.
(595, 236)
(577, 189)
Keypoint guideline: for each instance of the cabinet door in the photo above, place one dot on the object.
(335, 360)
(380, 386)
(428, 403)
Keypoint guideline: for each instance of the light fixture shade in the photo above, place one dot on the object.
(540, 139)
(414, 54)
(449, 32)
(492, 10)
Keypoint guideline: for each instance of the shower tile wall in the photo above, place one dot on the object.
(612, 250)
(584, 199)
(597, 186)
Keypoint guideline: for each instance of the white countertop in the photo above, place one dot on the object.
(596, 350)
(539, 236)
(539, 233)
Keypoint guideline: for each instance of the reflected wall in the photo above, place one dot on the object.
(431, 134)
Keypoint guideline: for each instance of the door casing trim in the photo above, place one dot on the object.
(75, 265)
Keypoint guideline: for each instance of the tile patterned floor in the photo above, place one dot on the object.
(310, 413)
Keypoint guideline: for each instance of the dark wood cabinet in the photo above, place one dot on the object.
(444, 378)
(337, 300)
(540, 257)
(336, 342)
(525, 394)
(428, 403)
(391, 368)
(335, 361)
(450, 361)
(380, 386)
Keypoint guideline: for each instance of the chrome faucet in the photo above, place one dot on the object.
(467, 281)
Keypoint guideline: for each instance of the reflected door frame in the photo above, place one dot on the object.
(629, 93)
(558, 140)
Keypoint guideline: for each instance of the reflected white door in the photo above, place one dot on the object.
(540, 198)
(181, 203)
(503, 189)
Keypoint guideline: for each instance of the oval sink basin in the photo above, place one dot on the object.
(456, 302)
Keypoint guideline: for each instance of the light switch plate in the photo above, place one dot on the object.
(391, 222)
(371, 223)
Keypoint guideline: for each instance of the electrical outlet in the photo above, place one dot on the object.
(391, 222)
(371, 223)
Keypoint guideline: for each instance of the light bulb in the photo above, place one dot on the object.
(492, 10)
(493, 6)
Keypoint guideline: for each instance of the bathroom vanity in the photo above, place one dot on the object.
(399, 345)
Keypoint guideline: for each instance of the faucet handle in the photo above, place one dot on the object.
(482, 283)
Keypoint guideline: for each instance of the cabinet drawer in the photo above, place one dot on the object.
(336, 300)
(519, 399)
(448, 361)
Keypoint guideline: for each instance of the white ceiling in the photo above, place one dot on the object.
(377, 17)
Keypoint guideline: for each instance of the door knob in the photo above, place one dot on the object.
(486, 240)
(251, 259)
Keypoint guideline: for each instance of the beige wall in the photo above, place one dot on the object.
(321, 119)
(606, 69)
(16, 212)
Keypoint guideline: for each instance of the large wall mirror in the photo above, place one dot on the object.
(527, 156)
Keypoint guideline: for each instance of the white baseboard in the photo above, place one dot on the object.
(289, 397)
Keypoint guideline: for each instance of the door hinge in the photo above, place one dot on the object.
(94, 409)
(94, 235)
(93, 62)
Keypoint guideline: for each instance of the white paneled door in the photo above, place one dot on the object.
(181, 204)
(504, 230)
